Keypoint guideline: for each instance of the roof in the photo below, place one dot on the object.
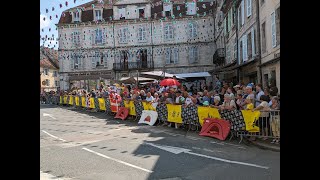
(49, 58)
(197, 74)
(87, 14)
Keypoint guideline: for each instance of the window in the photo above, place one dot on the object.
(228, 54)
(229, 18)
(142, 34)
(168, 30)
(97, 14)
(245, 48)
(193, 54)
(249, 8)
(167, 8)
(242, 13)
(75, 61)
(191, 8)
(235, 49)
(278, 26)
(249, 46)
(47, 82)
(264, 42)
(95, 59)
(76, 38)
(253, 38)
(122, 13)
(55, 74)
(76, 16)
(123, 34)
(168, 56)
(56, 83)
(241, 52)
(192, 30)
(273, 30)
(176, 55)
(46, 71)
(98, 36)
(141, 13)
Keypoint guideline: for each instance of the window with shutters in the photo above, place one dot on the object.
(273, 30)
(168, 32)
(98, 15)
(264, 40)
(253, 42)
(242, 13)
(105, 59)
(123, 35)
(191, 8)
(98, 37)
(245, 48)
(235, 49)
(249, 46)
(192, 30)
(240, 52)
(278, 26)
(142, 34)
(76, 38)
(249, 8)
(193, 54)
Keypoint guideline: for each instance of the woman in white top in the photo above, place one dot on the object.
(228, 103)
(263, 121)
(149, 98)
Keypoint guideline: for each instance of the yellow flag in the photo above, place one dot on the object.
(71, 100)
(174, 113)
(83, 101)
(92, 105)
(250, 118)
(102, 104)
(76, 99)
(132, 108)
(148, 106)
(207, 112)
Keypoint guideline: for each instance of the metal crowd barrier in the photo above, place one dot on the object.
(244, 123)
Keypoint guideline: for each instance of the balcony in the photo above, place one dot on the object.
(219, 56)
(140, 65)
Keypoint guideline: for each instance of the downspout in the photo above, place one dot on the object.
(259, 43)
(114, 49)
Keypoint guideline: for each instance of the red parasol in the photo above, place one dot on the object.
(169, 82)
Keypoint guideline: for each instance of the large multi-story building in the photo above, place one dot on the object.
(105, 40)
(49, 68)
(270, 41)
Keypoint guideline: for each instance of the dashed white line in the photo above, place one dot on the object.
(119, 161)
(53, 136)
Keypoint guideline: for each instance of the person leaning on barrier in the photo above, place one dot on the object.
(228, 103)
(263, 121)
(216, 102)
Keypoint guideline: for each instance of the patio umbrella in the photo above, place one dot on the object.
(169, 82)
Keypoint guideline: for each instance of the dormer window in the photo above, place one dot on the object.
(122, 13)
(76, 16)
(167, 9)
(191, 9)
(141, 12)
(98, 15)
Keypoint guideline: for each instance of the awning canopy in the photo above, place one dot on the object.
(194, 75)
(160, 74)
(134, 79)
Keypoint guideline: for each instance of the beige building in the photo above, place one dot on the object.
(49, 68)
(270, 41)
(111, 41)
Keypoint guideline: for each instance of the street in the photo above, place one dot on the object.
(77, 144)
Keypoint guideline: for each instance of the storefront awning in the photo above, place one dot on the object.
(160, 74)
(194, 75)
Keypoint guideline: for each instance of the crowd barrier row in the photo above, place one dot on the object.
(243, 123)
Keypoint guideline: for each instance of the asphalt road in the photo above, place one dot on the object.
(76, 144)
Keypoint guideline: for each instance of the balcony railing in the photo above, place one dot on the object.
(133, 65)
(219, 56)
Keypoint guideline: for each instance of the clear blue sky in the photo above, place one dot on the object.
(45, 25)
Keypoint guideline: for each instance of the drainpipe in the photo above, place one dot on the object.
(259, 43)
(114, 49)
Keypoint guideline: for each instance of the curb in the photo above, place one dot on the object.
(263, 145)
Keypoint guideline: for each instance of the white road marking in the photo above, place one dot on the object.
(196, 148)
(178, 150)
(49, 115)
(53, 136)
(119, 161)
(209, 150)
(213, 142)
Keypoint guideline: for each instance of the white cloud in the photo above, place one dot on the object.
(46, 23)
(50, 45)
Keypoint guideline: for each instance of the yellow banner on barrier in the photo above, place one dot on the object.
(132, 108)
(76, 99)
(92, 105)
(83, 102)
(60, 99)
(174, 113)
(102, 104)
(250, 118)
(71, 100)
(148, 106)
(64, 99)
(207, 112)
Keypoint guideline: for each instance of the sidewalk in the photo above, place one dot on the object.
(46, 176)
(265, 144)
